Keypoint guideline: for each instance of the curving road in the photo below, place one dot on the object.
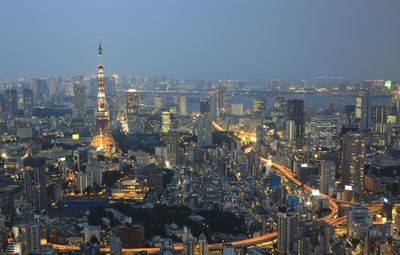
(331, 218)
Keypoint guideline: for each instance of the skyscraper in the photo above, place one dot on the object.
(324, 131)
(42, 89)
(364, 109)
(182, 105)
(287, 230)
(11, 101)
(173, 148)
(259, 105)
(159, 103)
(204, 131)
(379, 114)
(165, 122)
(102, 139)
(222, 92)
(79, 99)
(35, 183)
(132, 104)
(357, 221)
(328, 170)
(31, 236)
(290, 130)
(295, 112)
(213, 102)
(28, 101)
(52, 81)
(204, 107)
(352, 160)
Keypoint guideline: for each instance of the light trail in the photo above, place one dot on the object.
(331, 218)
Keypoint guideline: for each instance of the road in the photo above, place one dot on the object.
(330, 218)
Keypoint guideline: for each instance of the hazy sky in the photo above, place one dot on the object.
(247, 39)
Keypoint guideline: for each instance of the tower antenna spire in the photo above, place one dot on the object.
(100, 49)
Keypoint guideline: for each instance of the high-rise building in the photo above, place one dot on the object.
(103, 139)
(11, 101)
(52, 81)
(31, 236)
(203, 245)
(352, 160)
(291, 130)
(222, 92)
(132, 104)
(182, 105)
(79, 99)
(42, 90)
(379, 115)
(165, 122)
(28, 101)
(295, 112)
(35, 183)
(159, 103)
(324, 131)
(287, 230)
(213, 107)
(364, 109)
(357, 221)
(173, 148)
(259, 141)
(328, 170)
(259, 105)
(204, 131)
(204, 107)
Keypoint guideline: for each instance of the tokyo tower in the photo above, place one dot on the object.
(103, 139)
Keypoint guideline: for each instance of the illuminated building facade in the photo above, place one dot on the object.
(324, 131)
(166, 122)
(204, 107)
(35, 187)
(173, 148)
(182, 105)
(295, 112)
(287, 229)
(364, 109)
(259, 105)
(130, 189)
(11, 101)
(103, 139)
(352, 160)
(204, 131)
(79, 99)
(132, 104)
(222, 92)
(28, 101)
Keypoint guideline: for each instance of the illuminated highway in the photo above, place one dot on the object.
(330, 218)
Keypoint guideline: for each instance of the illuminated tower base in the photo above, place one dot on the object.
(105, 142)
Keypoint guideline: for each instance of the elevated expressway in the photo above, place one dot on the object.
(330, 218)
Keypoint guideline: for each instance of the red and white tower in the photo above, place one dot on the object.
(103, 139)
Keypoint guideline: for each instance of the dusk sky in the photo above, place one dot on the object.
(202, 39)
